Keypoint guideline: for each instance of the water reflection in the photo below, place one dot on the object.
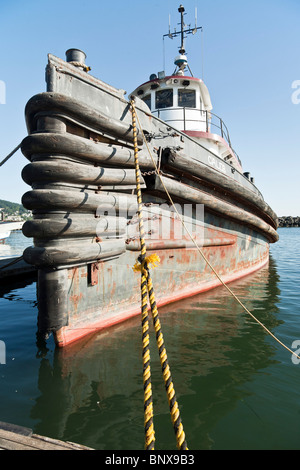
(91, 392)
(8, 288)
(13, 248)
(14, 245)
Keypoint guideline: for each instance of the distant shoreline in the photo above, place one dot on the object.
(289, 221)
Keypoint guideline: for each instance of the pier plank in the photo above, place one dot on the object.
(18, 438)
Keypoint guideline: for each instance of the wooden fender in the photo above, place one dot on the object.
(179, 161)
(70, 172)
(51, 143)
(73, 108)
(83, 201)
(73, 226)
(72, 252)
(188, 193)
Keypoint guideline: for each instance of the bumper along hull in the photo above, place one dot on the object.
(85, 224)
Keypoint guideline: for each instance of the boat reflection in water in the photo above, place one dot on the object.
(93, 391)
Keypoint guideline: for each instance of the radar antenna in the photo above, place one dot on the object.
(181, 61)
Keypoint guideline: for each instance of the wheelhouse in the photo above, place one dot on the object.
(181, 101)
(184, 103)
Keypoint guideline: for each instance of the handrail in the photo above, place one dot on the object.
(216, 122)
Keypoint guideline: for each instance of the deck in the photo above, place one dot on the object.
(13, 437)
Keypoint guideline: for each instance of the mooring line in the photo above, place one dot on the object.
(12, 262)
(142, 265)
(203, 255)
(148, 401)
(10, 154)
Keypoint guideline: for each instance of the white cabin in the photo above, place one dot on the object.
(184, 103)
(179, 100)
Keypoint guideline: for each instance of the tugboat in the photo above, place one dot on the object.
(81, 147)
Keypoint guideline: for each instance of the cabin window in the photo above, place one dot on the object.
(187, 98)
(147, 100)
(164, 99)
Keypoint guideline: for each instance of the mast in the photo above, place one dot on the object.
(181, 11)
(181, 60)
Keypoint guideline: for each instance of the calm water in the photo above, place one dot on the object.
(236, 387)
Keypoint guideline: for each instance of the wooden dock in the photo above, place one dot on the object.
(15, 268)
(13, 437)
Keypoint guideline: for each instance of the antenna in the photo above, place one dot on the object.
(181, 11)
(195, 29)
(183, 32)
(169, 35)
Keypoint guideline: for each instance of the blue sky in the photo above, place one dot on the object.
(251, 59)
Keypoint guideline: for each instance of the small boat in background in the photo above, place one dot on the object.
(85, 223)
(6, 227)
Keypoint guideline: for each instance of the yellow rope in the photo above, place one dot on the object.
(142, 265)
(148, 403)
(204, 257)
(152, 259)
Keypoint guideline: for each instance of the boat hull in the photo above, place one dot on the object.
(6, 229)
(85, 217)
(73, 303)
(4, 235)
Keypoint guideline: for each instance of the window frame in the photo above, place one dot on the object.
(164, 90)
(150, 99)
(188, 91)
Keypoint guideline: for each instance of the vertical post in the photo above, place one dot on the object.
(181, 11)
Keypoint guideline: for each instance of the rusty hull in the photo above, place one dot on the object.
(86, 241)
(108, 292)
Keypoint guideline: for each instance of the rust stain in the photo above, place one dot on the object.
(94, 273)
(72, 273)
(113, 289)
(75, 299)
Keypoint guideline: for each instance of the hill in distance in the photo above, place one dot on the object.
(13, 208)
